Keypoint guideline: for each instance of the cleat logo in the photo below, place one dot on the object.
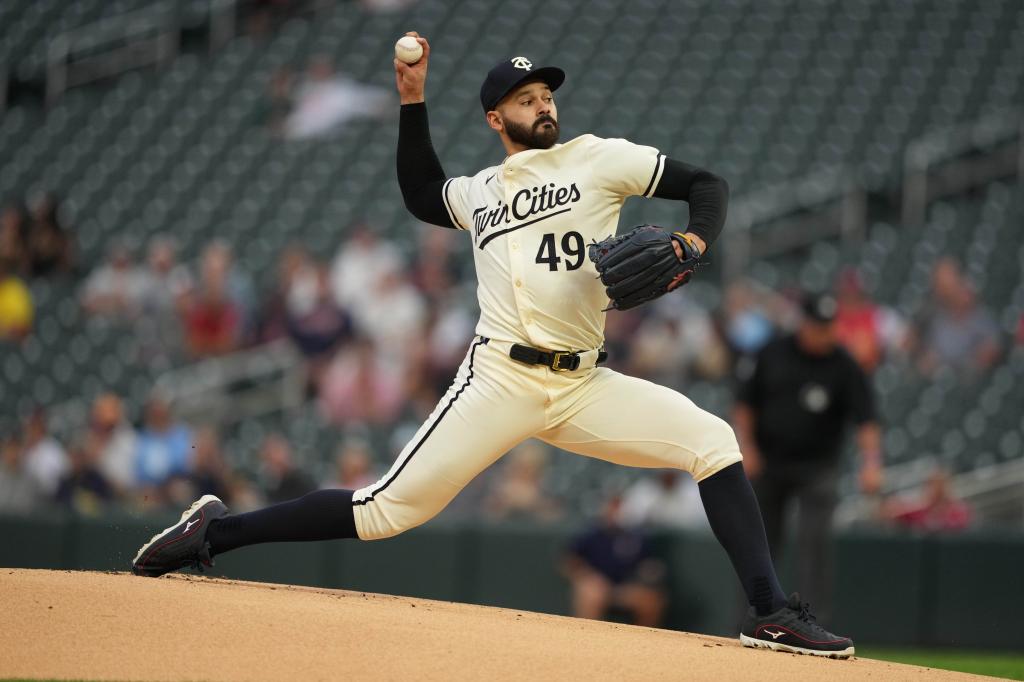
(775, 635)
(522, 63)
(190, 524)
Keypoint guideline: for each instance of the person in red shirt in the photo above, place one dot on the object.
(937, 510)
(213, 320)
(866, 329)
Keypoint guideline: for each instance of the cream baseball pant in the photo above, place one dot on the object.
(495, 402)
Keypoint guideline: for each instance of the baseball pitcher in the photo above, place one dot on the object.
(543, 226)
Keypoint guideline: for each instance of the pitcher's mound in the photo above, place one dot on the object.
(69, 624)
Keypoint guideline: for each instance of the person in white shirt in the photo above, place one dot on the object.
(667, 500)
(45, 458)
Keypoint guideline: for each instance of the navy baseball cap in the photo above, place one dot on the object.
(509, 73)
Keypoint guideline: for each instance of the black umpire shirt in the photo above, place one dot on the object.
(802, 403)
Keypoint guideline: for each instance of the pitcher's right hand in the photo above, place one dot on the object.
(411, 78)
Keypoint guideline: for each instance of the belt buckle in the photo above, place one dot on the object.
(556, 364)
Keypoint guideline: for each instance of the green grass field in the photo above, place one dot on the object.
(980, 663)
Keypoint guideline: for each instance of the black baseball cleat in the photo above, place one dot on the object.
(794, 629)
(183, 544)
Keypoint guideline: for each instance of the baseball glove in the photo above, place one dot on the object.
(641, 265)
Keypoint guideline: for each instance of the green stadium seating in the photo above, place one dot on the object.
(756, 90)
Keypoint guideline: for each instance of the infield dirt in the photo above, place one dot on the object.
(68, 624)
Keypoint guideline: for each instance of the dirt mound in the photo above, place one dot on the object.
(64, 624)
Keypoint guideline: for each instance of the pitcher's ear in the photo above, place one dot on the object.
(495, 121)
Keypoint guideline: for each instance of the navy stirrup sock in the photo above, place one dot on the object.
(735, 519)
(320, 515)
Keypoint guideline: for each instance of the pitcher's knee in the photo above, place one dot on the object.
(718, 448)
(381, 517)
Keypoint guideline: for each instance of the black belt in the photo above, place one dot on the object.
(559, 361)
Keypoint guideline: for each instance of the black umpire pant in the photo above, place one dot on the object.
(814, 488)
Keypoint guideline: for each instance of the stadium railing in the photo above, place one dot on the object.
(110, 46)
(242, 385)
(246, 384)
(999, 137)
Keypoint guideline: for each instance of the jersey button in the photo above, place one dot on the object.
(515, 246)
(519, 282)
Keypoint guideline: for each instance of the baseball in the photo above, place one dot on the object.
(408, 50)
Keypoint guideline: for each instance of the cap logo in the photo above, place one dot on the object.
(522, 63)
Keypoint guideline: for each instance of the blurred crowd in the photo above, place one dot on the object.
(382, 326)
(34, 243)
(161, 464)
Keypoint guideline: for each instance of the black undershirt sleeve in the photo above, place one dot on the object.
(707, 194)
(420, 175)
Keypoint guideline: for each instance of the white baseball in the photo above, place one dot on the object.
(408, 50)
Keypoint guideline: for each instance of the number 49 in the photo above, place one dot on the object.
(572, 247)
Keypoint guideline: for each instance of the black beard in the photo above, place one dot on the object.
(537, 136)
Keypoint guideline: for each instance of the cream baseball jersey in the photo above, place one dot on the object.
(531, 219)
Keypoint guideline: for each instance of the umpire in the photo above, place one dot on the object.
(790, 417)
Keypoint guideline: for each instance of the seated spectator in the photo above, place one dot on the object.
(361, 262)
(448, 334)
(165, 284)
(327, 100)
(436, 269)
(675, 340)
(18, 491)
(867, 330)
(613, 566)
(240, 287)
(45, 458)
(295, 273)
(164, 281)
(13, 252)
(667, 499)
(210, 474)
(747, 323)
(353, 466)
(50, 247)
(164, 446)
(207, 473)
(113, 290)
(214, 320)
(359, 386)
(16, 309)
(315, 323)
(283, 481)
(954, 330)
(938, 509)
(403, 326)
(113, 438)
(245, 494)
(519, 491)
(84, 489)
